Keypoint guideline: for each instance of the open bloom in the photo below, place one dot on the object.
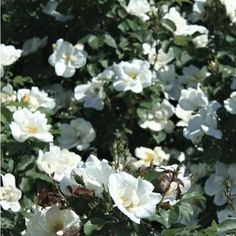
(182, 27)
(79, 133)
(138, 8)
(159, 59)
(204, 122)
(30, 125)
(192, 99)
(171, 85)
(9, 194)
(33, 44)
(52, 221)
(133, 196)
(158, 118)
(230, 6)
(66, 58)
(8, 55)
(183, 115)
(150, 157)
(133, 76)
(35, 98)
(91, 94)
(192, 75)
(222, 184)
(7, 96)
(95, 174)
(57, 162)
(230, 103)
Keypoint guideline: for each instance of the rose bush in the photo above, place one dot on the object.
(118, 117)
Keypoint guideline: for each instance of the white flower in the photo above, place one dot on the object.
(133, 196)
(184, 115)
(158, 118)
(158, 59)
(182, 27)
(138, 8)
(79, 133)
(9, 194)
(227, 213)
(172, 87)
(8, 55)
(35, 99)
(198, 10)
(230, 103)
(50, 9)
(150, 157)
(199, 170)
(62, 96)
(201, 41)
(30, 125)
(172, 184)
(133, 76)
(8, 95)
(233, 84)
(230, 6)
(66, 58)
(192, 75)
(57, 162)
(95, 174)
(192, 99)
(204, 122)
(33, 44)
(52, 221)
(222, 184)
(92, 94)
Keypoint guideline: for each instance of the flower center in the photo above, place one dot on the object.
(9, 194)
(26, 99)
(57, 226)
(31, 129)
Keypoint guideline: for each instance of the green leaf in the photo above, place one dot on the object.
(93, 224)
(6, 115)
(110, 41)
(20, 80)
(181, 40)
(159, 137)
(168, 24)
(162, 217)
(228, 226)
(95, 42)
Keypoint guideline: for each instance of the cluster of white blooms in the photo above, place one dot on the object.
(157, 119)
(9, 194)
(66, 58)
(134, 76)
(197, 114)
(8, 55)
(79, 133)
(133, 196)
